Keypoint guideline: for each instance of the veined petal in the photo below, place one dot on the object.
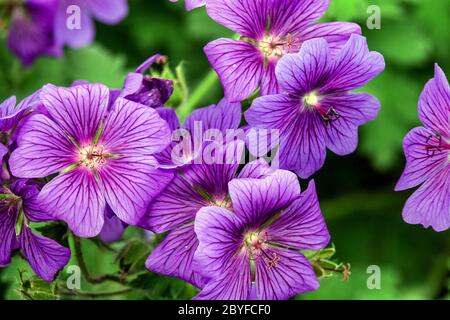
(134, 129)
(424, 158)
(46, 257)
(257, 200)
(173, 207)
(246, 17)
(269, 83)
(76, 198)
(113, 228)
(303, 72)
(174, 256)
(130, 183)
(109, 12)
(434, 104)
(335, 33)
(301, 226)
(43, 149)
(192, 4)
(169, 115)
(220, 236)
(430, 204)
(256, 169)
(77, 110)
(289, 274)
(235, 283)
(224, 116)
(353, 110)
(240, 66)
(8, 218)
(354, 66)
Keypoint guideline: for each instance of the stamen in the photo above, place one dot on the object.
(93, 156)
(272, 262)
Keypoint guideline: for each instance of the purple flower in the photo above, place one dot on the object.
(252, 251)
(46, 257)
(77, 36)
(192, 4)
(31, 30)
(104, 159)
(190, 139)
(427, 158)
(195, 186)
(315, 110)
(270, 29)
(145, 89)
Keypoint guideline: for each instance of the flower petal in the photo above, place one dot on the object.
(248, 18)
(239, 64)
(113, 228)
(335, 33)
(354, 66)
(43, 149)
(220, 236)
(8, 217)
(46, 257)
(434, 103)
(290, 275)
(78, 110)
(430, 204)
(174, 256)
(134, 129)
(256, 169)
(257, 200)
(76, 198)
(130, 183)
(424, 158)
(109, 12)
(354, 110)
(301, 226)
(303, 72)
(269, 83)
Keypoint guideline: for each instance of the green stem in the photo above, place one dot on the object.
(85, 271)
(197, 95)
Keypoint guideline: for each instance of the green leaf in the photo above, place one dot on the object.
(133, 255)
(34, 288)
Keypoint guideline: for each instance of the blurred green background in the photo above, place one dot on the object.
(356, 192)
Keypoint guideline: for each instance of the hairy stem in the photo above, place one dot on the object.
(99, 294)
(197, 95)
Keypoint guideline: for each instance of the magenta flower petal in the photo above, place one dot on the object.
(239, 64)
(248, 17)
(130, 183)
(434, 103)
(292, 275)
(43, 149)
(132, 128)
(46, 257)
(78, 110)
(252, 204)
(301, 226)
(174, 256)
(110, 12)
(424, 158)
(354, 66)
(335, 33)
(76, 198)
(430, 204)
(354, 110)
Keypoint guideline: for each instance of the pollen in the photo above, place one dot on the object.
(311, 99)
(93, 157)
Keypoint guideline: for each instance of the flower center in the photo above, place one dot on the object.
(311, 101)
(277, 47)
(255, 243)
(93, 157)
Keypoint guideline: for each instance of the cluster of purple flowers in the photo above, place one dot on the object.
(100, 159)
(44, 27)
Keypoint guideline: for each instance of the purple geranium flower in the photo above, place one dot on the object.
(103, 158)
(109, 12)
(316, 110)
(194, 186)
(146, 89)
(192, 4)
(252, 251)
(427, 158)
(270, 29)
(31, 30)
(46, 257)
